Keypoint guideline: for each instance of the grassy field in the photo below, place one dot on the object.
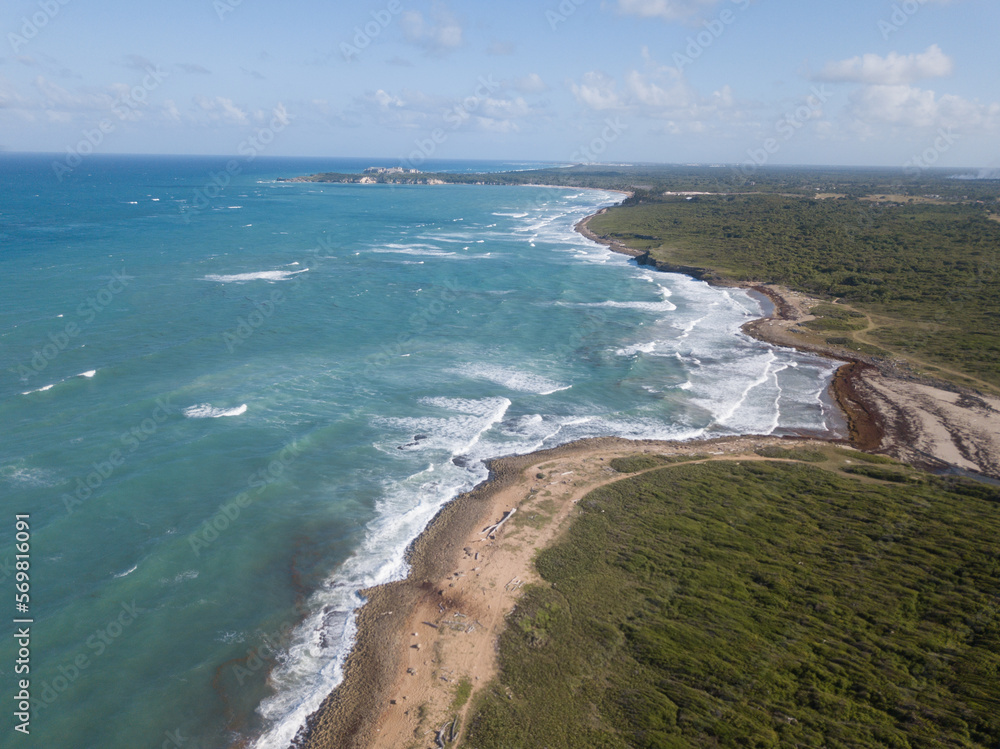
(923, 279)
(759, 604)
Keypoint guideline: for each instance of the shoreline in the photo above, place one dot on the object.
(931, 424)
(396, 683)
(419, 637)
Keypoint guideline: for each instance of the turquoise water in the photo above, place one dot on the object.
(228, 410)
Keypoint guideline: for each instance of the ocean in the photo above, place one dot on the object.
(229, 403)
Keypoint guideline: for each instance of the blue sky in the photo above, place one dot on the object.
(865, 82)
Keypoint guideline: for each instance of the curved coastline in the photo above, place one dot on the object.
(931, 424)
(351, 715)
(370, 707)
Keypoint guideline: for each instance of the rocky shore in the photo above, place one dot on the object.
(418, 638)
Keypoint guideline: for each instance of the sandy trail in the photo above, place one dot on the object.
(419, 639)
(452, 633)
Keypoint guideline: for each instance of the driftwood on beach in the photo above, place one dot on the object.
(491, 530)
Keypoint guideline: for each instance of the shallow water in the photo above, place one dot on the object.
(263, 399)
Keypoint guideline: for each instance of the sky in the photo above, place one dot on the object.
(855, 82)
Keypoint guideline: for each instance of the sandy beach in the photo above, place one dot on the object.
(421, 637)
(928, 423)
(426, 639)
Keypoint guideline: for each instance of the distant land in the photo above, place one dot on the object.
(751, 591)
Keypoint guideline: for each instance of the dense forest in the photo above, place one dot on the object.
(929, 272)
(834, 603)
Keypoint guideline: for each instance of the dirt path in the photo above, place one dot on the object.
(451, 635)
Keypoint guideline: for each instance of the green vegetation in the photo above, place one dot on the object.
(758, 604)
(644, 461)
(882, 474)
(925, 272)
(870, 458)
(836, 317)
(792, 453)
(861, 348)
(462, 693)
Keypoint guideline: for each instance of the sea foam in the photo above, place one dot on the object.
(208, 411)
(264, 275)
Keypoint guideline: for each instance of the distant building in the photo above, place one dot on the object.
(389, 170)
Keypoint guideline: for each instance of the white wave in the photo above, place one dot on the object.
(313, 663)
(208, 411)
(721, 368)
(42, 389)
(264, 275)
(663, 306)
(638, 348)
(128, 572)
(88, 373)
(513, 379)
(457, 434)
(686, 328)
(414, 250)
(19, 473)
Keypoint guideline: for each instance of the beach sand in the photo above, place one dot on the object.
(928, 423)
(419, 638)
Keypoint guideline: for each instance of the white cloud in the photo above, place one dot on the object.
(597, 91)
(530, 84)
(670, 92)
(57, 98)
(668, 10)
(220, 108)
(906, 106)
(893, 69)
(439, 35)
(387, 100)
(504, 109)
(661, 93)
(418, 111)
(170, 111)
